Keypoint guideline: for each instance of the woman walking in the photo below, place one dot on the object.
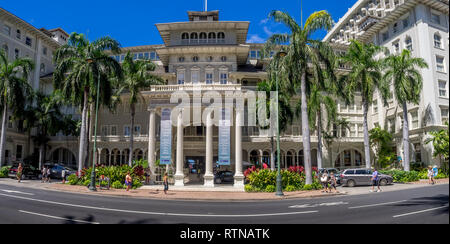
(333, 182)
(166, 183)
(19, 172)
(430, 175)
(324, 181)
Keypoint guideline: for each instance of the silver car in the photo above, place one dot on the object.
(362, 177)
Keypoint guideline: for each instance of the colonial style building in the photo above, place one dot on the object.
(206, 54)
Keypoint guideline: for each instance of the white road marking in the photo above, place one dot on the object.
(378, 204)
(319, 205)
(19, 192)
(159, 213)
(56, 217)
(417, 212)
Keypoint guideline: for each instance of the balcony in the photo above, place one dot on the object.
(368, 22)
(195, 87)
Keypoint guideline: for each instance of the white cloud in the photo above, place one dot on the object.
(267, 31)
(255, 39)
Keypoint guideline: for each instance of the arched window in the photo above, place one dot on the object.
(437, 40)
(194, 38)
(181, 76)
(202, 38)
(408, 43)
(185, 38)
(18, 34)
(211, 37)
(220, 37)
(42, 68)
(301, 161)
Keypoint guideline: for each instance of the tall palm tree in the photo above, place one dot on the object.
(285, 114)
(136, 76)
(301, 52)
(403, 71)
(364, 77)
(80, 64)
(14, 90)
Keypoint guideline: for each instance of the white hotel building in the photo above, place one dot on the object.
(212, 54)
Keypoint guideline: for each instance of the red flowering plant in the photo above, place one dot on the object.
(297, 169)
(250, 170)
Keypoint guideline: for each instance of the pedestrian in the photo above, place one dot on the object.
(48, 175)
(430, 175)
(128, 181)
(324, 181)
(375, 180)
(333, 182)
(44, 174)
(166, 183)
(147, 176)
(63, 176)
(19, 172)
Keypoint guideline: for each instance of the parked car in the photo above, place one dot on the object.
(362, 177)
(335, 171)
(28, 172)
(56, 171)
(223, 177)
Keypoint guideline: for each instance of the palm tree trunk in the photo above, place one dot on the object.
(89, 136)
(130, 156)
(41, 156)
(405, 137)
(3, 136)
(366, 135)
(306, 132)
(272, 155)
(82, 146)
(319, 140)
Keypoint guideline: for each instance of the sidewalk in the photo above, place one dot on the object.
(201, 193)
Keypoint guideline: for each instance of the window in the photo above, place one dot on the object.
(211, 37)
(253, 54)
(395, 28)
(126, 130)
(405, 23)
(343, 131)
(391, 125)
(360, 130)
(16, 53)
(444, 115)
(42, 68)
(137, 130)
(140, 56)
(223, 78)
(19, 151)
(223, 58)
(28, 41)
(415, 120)
(442, 88)
(440, 64)
(195, 76)
(435, 18)
(44, 51)
(408, 43)
(113, 130)
(347, 158)
(181, 59)
(104, 130)
(221, 37)
(360, 172)
(195, 59)
(375, 106)
(353, 130)
(203, 38)
(18, 34)
(437, 41)
(385, 36)
(209, 77)
(180, 77)
(7, 30)
(396, 46)
(194, 38)
(153, 56)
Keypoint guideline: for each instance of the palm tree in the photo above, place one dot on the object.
(136, 76)
(80, 64)
(330, 136)
(285, 113)
(14, 90)
(301, 51)
(364, 77)
(403, 70)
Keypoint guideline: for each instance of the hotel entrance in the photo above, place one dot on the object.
(196, 169)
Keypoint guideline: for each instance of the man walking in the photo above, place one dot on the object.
(375, 180)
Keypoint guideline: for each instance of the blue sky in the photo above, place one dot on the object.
(132, 22)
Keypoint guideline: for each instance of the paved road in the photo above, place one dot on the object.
(425, 205)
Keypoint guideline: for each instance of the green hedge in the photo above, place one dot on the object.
(116, 174)
(4, 171)
(265, 181)
(403, 176)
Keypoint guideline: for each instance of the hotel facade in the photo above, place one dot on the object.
(205, 54)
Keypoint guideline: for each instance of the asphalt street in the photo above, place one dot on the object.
(421, 205)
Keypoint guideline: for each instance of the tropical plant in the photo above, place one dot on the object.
(14, 91)
(381, 140)
(136, 76)
(440, 141)
(80, 65)
(285, 114)
(403, 71)
(364, 77)
(303, 54)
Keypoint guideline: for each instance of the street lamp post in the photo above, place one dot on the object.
(279, 187)
(92, 186)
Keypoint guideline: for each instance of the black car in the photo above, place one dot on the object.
(224, 177)
(28, 172)
(56, 171)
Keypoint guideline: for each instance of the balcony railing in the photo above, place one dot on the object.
(195, 87)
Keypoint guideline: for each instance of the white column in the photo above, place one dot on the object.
(238, 175)
(151, 143)
(37, 69)
(179, 175)
(209, 176)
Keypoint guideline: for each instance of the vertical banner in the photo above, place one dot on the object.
(165, 150)
(224, 137)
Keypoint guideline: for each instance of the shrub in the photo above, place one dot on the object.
(117, 185)
(136, 184)
(249, 188)
(73, 179)
(270, 188)
(308, 187)
(4, 171)
(290, 188)
(86, 182)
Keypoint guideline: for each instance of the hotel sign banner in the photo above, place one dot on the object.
(224, 137)
(166, 138)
